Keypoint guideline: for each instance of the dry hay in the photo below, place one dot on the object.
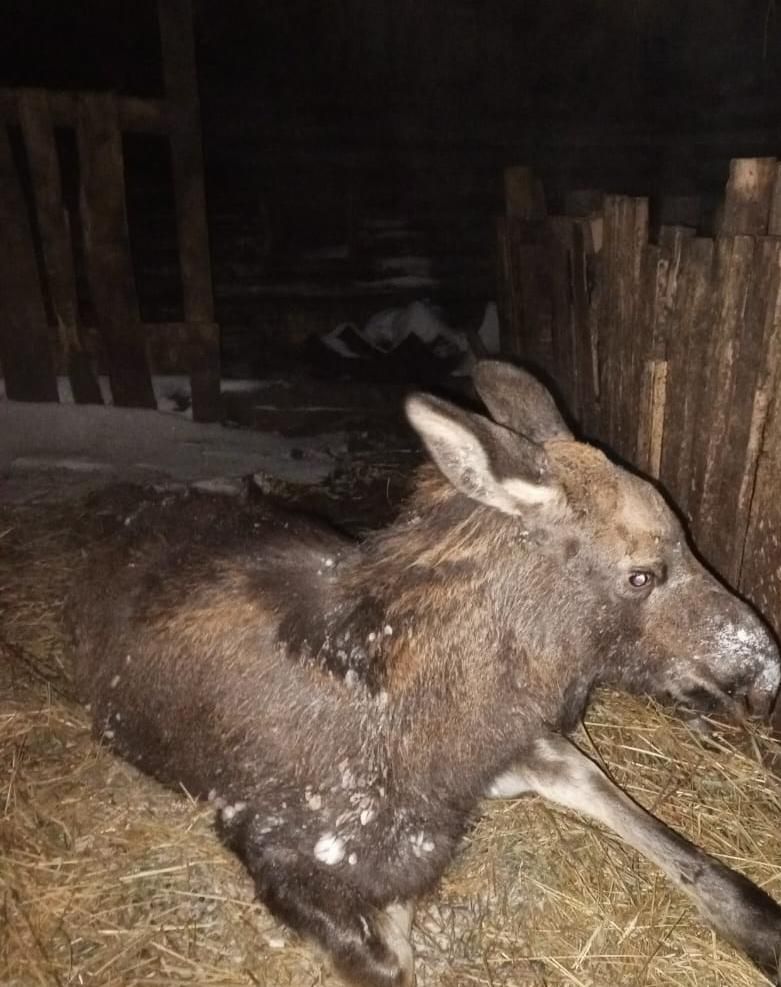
(108, 879)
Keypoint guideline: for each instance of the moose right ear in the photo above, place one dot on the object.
(488, 463)
(519, 401)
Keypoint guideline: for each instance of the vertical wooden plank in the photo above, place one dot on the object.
(25, 347)
(626, 236)
(760, 563)
(655, 395)
(203, 358)
(649, 358)
(54, 228)
(107, 250)
(560, 246)
(659, 296)
(690, 322)
(774, 216)
(761, 570)
(533, 277)
(671, 240)
(756, 370)
(583, 259)
(525, 292)
(178, 48)
(733, 267)
(748, 197)
(576, 243)
(606, 320)
(636, 333)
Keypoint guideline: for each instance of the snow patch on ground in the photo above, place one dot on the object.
(94, 444)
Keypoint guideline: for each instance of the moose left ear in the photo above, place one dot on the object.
(519, 401)
(486, 462)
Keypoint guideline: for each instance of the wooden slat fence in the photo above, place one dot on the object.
(667, 348)
(40, 320)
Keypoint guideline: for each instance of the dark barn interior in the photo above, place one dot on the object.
(354, 152)
(233, 237)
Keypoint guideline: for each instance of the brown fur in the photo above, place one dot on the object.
(347, 705)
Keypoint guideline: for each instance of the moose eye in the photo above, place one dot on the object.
(640, 579)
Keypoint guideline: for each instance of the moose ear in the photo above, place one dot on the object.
(486, 462)
(519, 401)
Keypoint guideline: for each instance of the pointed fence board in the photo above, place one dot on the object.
(585, 358)
(689, 324)
(526, 310)
(732, 273)
(774, 215)
(756, 378)
(760, 577)
(653, 366)
(560, 248)
(606, 313)
(26, 354)
(570, 260)
(659, 302)
(625, 236)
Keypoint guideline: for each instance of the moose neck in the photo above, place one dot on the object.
(458, 635)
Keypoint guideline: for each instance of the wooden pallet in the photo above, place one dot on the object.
(40, 321)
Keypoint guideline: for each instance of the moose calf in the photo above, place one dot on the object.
(347, 706)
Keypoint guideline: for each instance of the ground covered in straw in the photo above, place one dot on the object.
(108, 879)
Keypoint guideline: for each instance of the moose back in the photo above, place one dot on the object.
(347, 705)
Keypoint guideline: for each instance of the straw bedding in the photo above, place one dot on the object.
(108, 879)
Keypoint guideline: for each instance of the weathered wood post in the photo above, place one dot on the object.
(25, 347)
(107, 249)
(659, 292)
(524, 293)
(620, 344)
(55, 233)
(178, 46)
(759, 571)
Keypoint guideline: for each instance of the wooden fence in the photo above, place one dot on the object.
(667, 349)
(41, 314)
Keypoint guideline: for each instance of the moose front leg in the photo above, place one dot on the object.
(368, 946)
(737, 909)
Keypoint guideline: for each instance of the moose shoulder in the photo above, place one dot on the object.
(346, 706)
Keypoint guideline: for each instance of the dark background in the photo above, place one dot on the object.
(355, 148)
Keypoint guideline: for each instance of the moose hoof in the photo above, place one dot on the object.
(395, 926)
(381, 956)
